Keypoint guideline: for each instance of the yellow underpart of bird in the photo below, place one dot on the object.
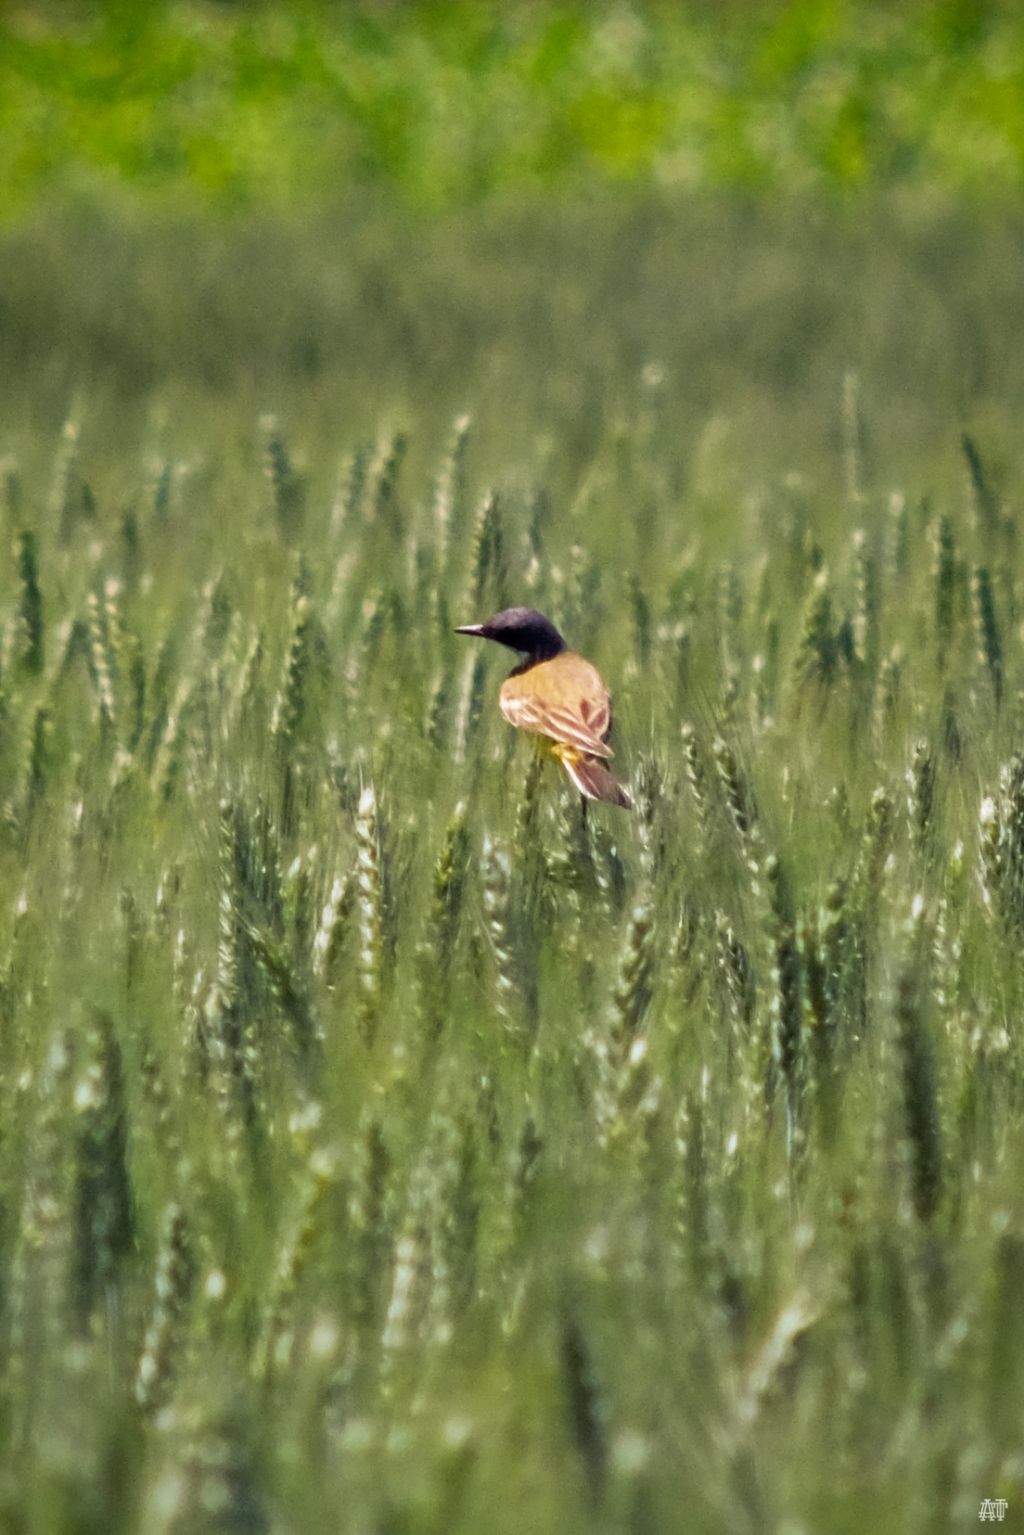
(564, 700)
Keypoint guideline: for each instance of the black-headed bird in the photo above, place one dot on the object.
(556, 694)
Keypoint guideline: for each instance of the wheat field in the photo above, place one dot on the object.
(385, 1145)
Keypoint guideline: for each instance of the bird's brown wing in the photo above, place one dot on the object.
(563, 699)
(597, 714)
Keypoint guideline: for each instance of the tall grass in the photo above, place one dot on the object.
(384, 1143)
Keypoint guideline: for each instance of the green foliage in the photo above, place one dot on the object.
(383, 1140)
(271, 105)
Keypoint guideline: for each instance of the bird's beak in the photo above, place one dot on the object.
(474, 629)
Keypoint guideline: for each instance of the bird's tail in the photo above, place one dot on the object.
(592, 778)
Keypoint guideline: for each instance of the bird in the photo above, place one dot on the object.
(558, 695)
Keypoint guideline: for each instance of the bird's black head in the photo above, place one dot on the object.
(520, 629)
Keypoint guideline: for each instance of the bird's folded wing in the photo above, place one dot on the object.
(596, 714)
(554, 720)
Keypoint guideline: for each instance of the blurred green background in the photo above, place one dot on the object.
(215, 194)
(440, 105)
